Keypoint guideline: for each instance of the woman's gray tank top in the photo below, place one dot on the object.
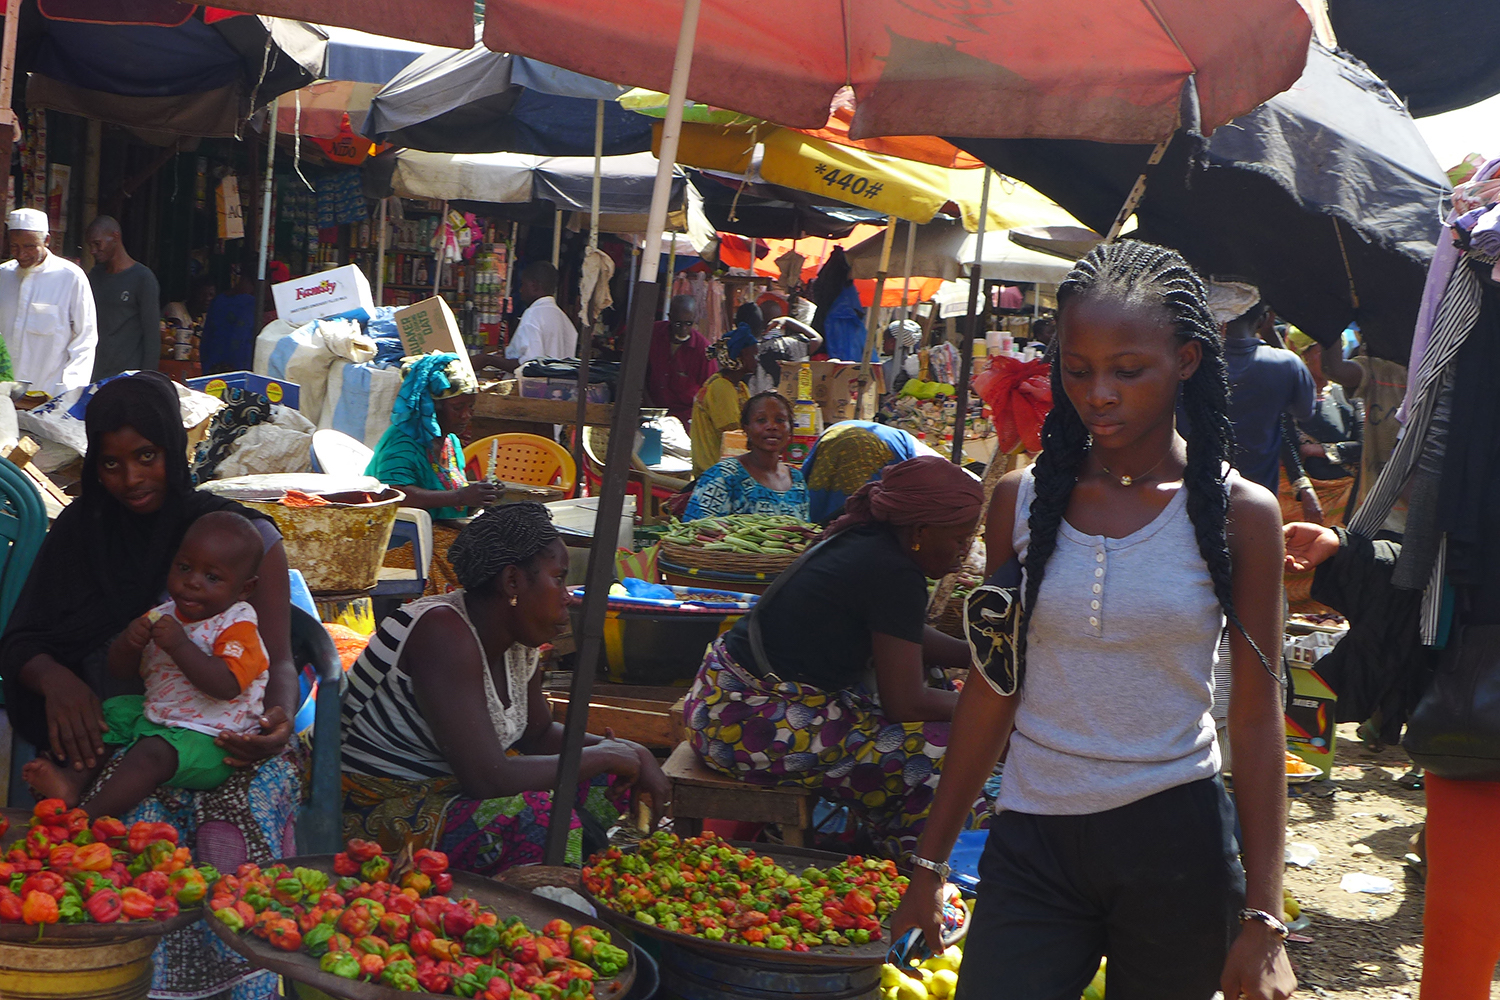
(1119, 668)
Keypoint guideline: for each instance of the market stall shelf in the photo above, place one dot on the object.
(302, 968)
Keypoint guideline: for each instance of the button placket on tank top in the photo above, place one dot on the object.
(1095, 600)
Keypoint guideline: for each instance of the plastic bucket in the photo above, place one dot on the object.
(118, 970)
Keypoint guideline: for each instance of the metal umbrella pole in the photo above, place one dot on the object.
(586, 335)
(872, 318)
(966, 354)
(265, 207)
(380, 257)
(621, 447)
(442, 252)
(911, 249)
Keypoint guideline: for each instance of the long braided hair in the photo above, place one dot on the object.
(1146, 274)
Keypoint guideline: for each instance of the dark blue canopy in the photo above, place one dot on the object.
(478, 101)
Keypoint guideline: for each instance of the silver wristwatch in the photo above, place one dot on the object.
(938, 868)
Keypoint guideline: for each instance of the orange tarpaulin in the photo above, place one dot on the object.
(1109, 70)
(921, 289)
(734, 251)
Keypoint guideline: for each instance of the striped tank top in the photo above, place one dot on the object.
(384, 734)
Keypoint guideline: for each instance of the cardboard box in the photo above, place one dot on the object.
(429, 326)
(833, 387)
(341, 293)
(1311, 718)
(277, 391)
(564, 389)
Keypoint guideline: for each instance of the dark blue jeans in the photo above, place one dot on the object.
(1155, 885)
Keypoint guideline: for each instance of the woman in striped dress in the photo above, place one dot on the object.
(448, 740)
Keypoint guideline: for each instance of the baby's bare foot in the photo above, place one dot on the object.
(50, 781)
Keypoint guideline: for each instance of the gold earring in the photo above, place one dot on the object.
(512, 600)
(916, 546)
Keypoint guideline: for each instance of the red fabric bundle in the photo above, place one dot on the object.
(1019, 395)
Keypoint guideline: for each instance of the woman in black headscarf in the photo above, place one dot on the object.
(104, 563)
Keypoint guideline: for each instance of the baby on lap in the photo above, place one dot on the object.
(204, 667)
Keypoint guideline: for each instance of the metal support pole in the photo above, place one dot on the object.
(556, 236)
(872, 318)
(617, 463)
(380, 258)
(911, 249)
(966, 352)
(666, 300)
(442, 250)
(586, 333)
(1137, 192)
(265, 212)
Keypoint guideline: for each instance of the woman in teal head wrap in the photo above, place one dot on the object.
(421, 454)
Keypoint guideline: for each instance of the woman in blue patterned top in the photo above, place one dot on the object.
(757, 482)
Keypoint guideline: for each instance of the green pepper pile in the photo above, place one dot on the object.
(410, 935)
(705, 887)
(748, 534)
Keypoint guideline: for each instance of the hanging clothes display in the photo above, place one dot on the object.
(1408, 600)
(1469, 282)
(708, 292)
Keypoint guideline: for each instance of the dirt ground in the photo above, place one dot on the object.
(1362, 945)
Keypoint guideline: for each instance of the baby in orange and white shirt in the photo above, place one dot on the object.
(204, 666)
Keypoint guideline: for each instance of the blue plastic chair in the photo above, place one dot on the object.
(320, 822)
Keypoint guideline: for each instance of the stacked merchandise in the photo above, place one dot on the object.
(34, 161)
(296, 215)
(340, 199)
(491, 296)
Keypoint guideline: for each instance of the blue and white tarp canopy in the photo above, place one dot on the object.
(478, 101)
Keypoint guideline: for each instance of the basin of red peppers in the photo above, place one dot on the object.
(70, 869)
(403, 930)
(707, 888)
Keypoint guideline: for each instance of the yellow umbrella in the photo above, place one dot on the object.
(900, 188)
(891, 185)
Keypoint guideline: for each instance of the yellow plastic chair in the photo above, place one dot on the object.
(529, 459)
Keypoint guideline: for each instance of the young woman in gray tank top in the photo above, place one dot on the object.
(1114, 836)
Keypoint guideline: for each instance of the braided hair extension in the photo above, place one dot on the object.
(497, 537)
(1143, 273)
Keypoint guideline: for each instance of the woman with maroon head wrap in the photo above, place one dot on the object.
(835, 695)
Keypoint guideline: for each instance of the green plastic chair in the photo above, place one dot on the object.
(23, 524)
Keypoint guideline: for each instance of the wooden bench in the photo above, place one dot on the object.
(699, 793)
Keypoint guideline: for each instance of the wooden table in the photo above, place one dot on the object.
(653, 722)
(699, 793)
(499, 413)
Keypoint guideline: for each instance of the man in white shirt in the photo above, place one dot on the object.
(46, 310)
(544, 331)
